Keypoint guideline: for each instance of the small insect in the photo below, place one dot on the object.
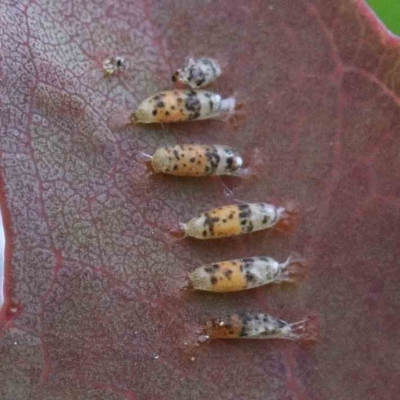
(260, 326)
(196, 160)
(198, 72)
(246, 273)
(182, 105)
(233, 220)
(112, 64)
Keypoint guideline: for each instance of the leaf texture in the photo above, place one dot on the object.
(93, 266)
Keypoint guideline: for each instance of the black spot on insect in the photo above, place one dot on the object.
(264, 220)
(228, 273)
(247, 260)
(190, 148)
(196, 75)
(262, 207)
(211, 104)
(154, 112)
(243, 222)
(194, 115)
(281, 323)
(224, 221)
(192, 103)
(246, 319)
(209, 270)
(243, 333)
(213, 158)
(250, 227)
(215, 267)
(179, 99)
(229, 164)
(231, 215)
(234, 262)
(172, 107)
(213, 280)
(249, 277)
(160, 104)
(245, 211)
(204, 233)
(156, 98)
(210, 221)
(198, 162)
(207, 169)
(185, 165)
(167, 113)
(175, 167)
(176, 154)
(192, 160)
(175, 76)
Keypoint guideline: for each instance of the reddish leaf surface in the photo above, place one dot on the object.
(92, 264)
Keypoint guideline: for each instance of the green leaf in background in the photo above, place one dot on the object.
(389, 12)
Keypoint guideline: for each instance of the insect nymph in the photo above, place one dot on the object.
(182, 105)
(233, 220)
(198, 72)
(260, 326)
(246, 273)
(195, 160)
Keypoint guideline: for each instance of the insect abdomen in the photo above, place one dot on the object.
(196, 160)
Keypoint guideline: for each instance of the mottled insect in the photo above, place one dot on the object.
(198, 72)
(260, 326)
(112, 64)
(182, 105)
(233, 220)
(246, 273)
(196, 160)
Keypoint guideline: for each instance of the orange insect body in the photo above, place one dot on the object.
(246, 273)
(261, 326)
(196, 160)
(182, 105)
(233, 220)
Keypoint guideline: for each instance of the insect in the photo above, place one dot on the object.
(182, 105)
(233, 220)
(112, 64)
(260, 326)
(198, 72)
(246, 273)
(196, 160)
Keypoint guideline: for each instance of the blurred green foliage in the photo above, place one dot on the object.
(389, 12)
